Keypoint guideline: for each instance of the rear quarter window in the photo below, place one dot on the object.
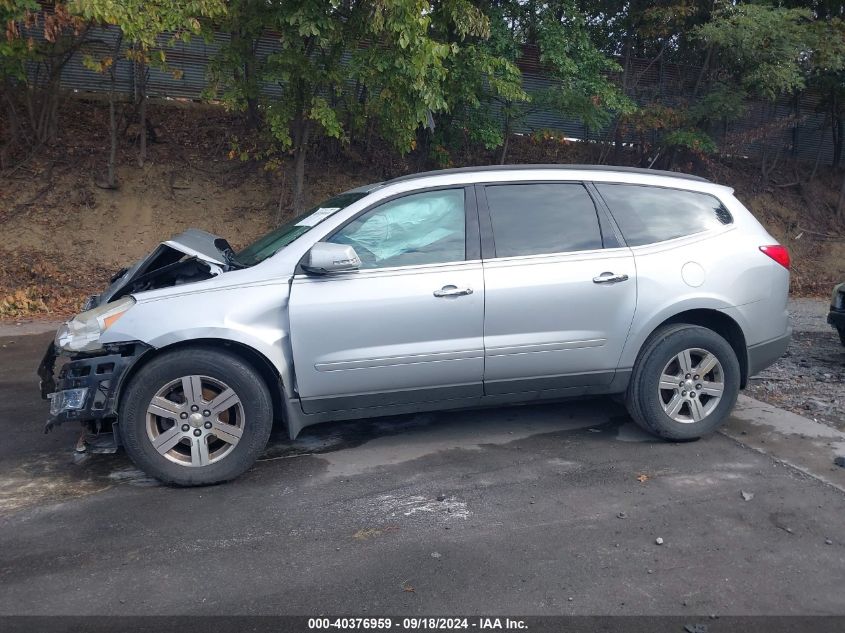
(646, 214)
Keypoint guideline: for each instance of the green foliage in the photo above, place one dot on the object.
(14, 50)
(691, 139)
(143, 22)
(353, 70)
(767, 48)
(664, 128)
(486, 97)
(723, 102)
(22, 19)
(584, 89)
(387, 50)
(482, 79)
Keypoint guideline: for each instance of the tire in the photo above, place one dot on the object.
(230, 400)
(841, 331)
(671, 351)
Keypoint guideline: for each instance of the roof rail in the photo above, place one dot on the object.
(604, 168)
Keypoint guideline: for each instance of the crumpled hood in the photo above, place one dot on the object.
(190, 256)
(197, 243)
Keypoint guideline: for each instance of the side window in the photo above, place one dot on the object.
(652, 214)
(422, 228)
(532, 219)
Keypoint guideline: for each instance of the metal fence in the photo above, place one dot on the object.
(797, 127)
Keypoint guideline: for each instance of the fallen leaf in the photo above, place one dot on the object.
(366, 533)
(642, 478)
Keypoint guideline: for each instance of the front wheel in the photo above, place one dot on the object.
(195, 416)
(685, 382)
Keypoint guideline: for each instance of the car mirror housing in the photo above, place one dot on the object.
(325, 258)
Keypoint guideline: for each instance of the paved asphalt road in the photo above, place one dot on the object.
(531, 510)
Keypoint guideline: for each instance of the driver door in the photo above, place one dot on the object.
(407, 327)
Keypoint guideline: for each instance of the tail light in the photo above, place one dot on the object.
(778, 253)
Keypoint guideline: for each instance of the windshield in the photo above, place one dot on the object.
(274, 241)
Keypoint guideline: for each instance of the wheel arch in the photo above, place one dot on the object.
(258, 361)
(722, 324)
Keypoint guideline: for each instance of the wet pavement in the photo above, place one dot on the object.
(551, 509)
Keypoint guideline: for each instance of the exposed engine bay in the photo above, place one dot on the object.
(192, 256)
(168, 268)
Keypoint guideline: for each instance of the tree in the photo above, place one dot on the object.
(488, 98)
(483, 83)
(772, 51)
(235, 73)
(583, 87)
(142, 23)
(337, 66)
(33, 53)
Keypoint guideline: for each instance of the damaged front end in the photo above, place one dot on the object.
(85, 388)
(81, 376)
(189, 257)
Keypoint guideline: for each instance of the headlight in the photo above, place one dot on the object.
(82, 333)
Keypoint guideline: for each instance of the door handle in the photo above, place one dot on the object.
(452, 291)
(609, 278)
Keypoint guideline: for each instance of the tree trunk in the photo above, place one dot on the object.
(840, 205)
(764, 146)
(507, 134)
(252, 115)
(14, 127)
(302, 128)
(142, 113)
(52, 131)
(299, 179)
(111, 180)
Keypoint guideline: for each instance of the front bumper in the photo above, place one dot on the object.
(87, 386)
(836, 318)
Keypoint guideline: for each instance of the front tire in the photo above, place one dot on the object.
(685, 382)
(195, 416)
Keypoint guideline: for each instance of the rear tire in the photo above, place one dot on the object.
(685, 382)
(841, 331)
(196, 416)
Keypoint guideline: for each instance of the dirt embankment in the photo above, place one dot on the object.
(63, 236)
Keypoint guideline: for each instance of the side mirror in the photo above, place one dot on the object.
(325, 258)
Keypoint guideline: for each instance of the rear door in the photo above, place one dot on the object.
(405, 328)
(560, 288)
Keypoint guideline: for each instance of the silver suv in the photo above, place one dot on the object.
(457, 288)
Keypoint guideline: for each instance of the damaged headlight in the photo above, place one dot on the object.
(82, 333)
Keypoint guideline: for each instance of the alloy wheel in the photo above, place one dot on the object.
(195, 420)
(691, 385)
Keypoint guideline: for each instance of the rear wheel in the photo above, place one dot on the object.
(685, 382)
(841, 331)
(195, 416)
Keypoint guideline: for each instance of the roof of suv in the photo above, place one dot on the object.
(602, 168)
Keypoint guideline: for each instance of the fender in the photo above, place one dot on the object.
(642, 327)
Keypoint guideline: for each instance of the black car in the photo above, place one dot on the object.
(836, 316)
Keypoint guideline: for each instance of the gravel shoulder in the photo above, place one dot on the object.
(810, 378)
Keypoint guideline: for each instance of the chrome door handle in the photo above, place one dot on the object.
(609, 278)
(452, 291)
